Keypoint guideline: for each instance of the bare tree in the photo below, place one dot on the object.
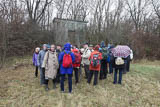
(156, 6)
(11, 16)
(60, 6)
(136, 10)
(36, 9)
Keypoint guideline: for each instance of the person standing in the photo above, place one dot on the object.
(39, 62)
(129, 59)
(95, 65)
(104, 69)
(81, 65)
(50, 64)
(91, 47)
(119, 65)
(58, 50)
(85, 61)
(34, 59)
(76, 64)
(110, 47)
(66, 59)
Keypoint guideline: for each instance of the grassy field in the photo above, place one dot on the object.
(140, 88)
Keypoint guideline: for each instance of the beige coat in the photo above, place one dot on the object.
(86, 54)
(50, 63)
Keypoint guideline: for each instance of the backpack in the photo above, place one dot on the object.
(119, 61)
(104, 53)
(67, 60)
(77, 58)
(95, 62)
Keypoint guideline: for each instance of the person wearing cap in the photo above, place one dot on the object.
(85, 61)
(91, 47)
(95, 57)
(40, 61)
(34, 59)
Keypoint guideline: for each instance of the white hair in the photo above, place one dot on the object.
(38, 48)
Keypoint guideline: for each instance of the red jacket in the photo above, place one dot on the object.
(100, 58)
(76, 51)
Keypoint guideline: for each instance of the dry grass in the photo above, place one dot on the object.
(140, 88)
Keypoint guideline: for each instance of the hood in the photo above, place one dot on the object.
(67, 47)
(75, 50)
(96, 48)
(102, 44)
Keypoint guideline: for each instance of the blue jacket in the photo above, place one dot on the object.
(41, 57)
(67, 48)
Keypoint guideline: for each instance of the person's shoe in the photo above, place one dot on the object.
(100, 78)
(42, 84)
(114, 82)
(76, 83)
(88, 82)
(54, 86)
(62, 91)
(94, 84)
(119, 83)
(46, 88)
(124, 72)
(104, 77)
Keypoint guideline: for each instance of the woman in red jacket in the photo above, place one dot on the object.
(95, 64)
(77, 63)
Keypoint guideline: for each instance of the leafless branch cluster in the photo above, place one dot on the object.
(115, 21)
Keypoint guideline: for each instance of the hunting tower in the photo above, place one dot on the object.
(67, 30)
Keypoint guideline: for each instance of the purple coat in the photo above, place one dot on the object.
(35, 56)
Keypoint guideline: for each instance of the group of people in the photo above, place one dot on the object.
(56, 62)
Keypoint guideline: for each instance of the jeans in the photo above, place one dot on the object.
(104, 70)
(42, 76)
(76, 70)
(95, 77)
(69, 82)
(110, 68)
(120, 75)
(86, 69)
